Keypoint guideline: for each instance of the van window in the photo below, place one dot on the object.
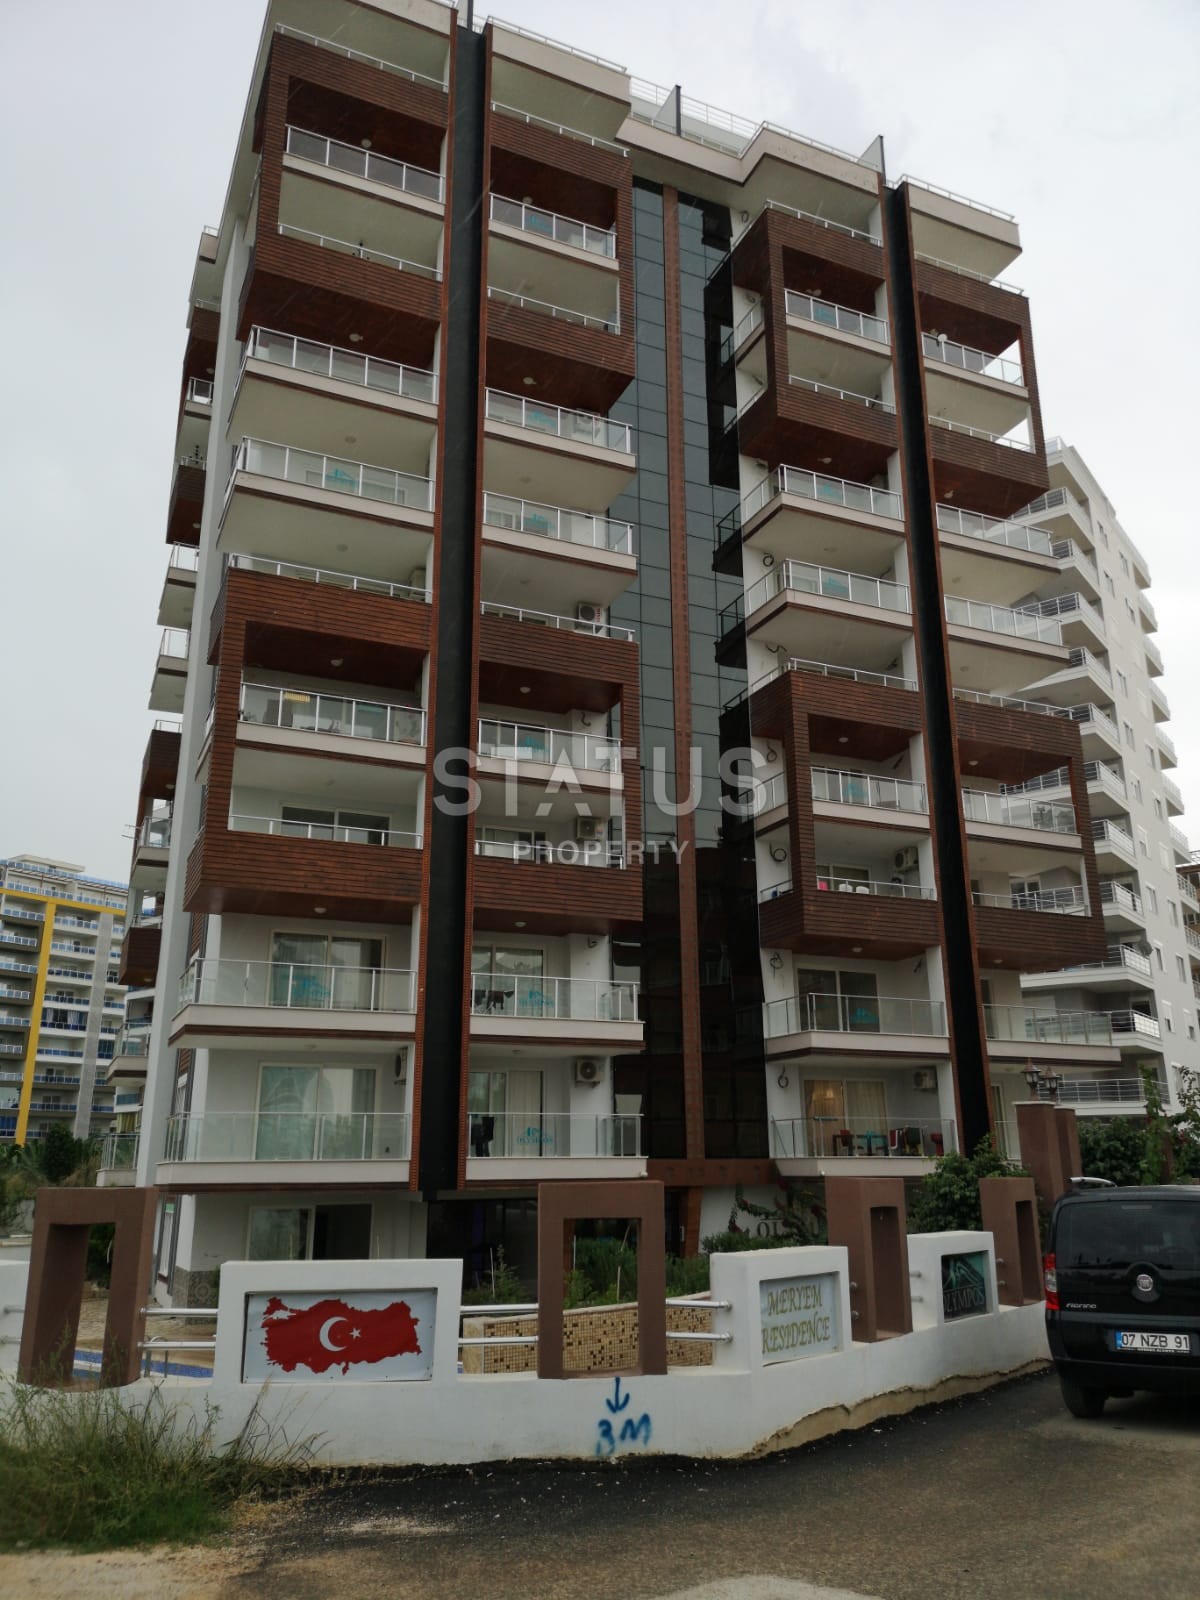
(1114, 1233)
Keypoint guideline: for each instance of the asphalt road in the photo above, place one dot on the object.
(1001, 1495)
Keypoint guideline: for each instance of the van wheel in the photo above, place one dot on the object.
(1081, 1402)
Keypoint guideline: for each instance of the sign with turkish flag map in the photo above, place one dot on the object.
(368, 1337)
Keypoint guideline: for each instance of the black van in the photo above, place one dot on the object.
(1122, 1271)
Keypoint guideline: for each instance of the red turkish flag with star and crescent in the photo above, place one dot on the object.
(332, 1333)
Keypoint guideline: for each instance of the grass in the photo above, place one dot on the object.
(95, 1470)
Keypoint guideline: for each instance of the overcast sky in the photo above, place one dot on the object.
(119, 121)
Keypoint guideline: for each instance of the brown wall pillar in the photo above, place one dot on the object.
(868, 1216)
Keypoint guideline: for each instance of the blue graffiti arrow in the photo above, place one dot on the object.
(616, 1404)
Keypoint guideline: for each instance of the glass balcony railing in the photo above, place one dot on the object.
(979, 362)
(550, 225)
(296, 986)
(1028, 1025)
(825, 1138)
(994, 530)
(864, 789)
(1007, 811)
(557, 522)
(505, 994)
(827, 491)
(1069, 900)
(315, 471)
(545, 308)
(1002, 620)
(359, 163)
(827, 314)
(317, 711)
(577, 427)
(833, 1013)
(546, 1134)
(288, 1136)
(361, 252)
(831, 583)
(333, 580)
(525, 741)
(337, 833)
(347, 366)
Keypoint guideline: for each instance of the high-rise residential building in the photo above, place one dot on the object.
(1146, 980)
(60, 999)
(608, 744)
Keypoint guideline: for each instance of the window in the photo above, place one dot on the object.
(348, 827)
(330, 972)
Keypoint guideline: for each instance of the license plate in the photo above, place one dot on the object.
(1162, 1344)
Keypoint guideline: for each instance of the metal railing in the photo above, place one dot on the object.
(560, 127)
(821, 222)
(1069, 900)
(968, 272)
(578, 427)
(834, 1013)
(556, 522)
(496, 1134)
(828, 314)
(199, 392)
(505, 994)
(994, 530)
(118, 1153)
(829, 878)
(359, 56)
(828, 491)
(551, 225)
(337, 832)
(296, 985)
(319, 711)
(334, 580)
(526, 741)
(893, 1135)
(982, 433)
(832, 583)
(1005, 811)
(334, 473)
(174, 643)
(580, 319)
(1117, 895)
(968, 359)
(872, 402)
(359, 163)
(288, 1136)
(360, 252)
(552, 619)
(840, 787)
(1027, 1025)
(1004, 620)
(347, 366)
(1101, 1091)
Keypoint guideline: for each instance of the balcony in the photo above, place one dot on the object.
(825, 611)
(179, 588)
(317, 721)
(579, 457)
(239, 1003)
(170, 671)
(228, 1147)
(311, 392)
(828, 1146)
(1005, 811)
(291, 504)
(542, 1145)
(794, 513)
(998, 649)
(525, 542)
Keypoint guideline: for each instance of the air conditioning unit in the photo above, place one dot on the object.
(906, 860)
(588, 1069)
(591, 828)
(925, 1078)
(416, 578)
(589, 617)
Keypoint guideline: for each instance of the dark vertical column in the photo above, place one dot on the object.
(962, 983)
(448, 837)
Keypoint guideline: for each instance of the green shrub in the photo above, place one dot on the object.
(95, 1470)
(948, 1199)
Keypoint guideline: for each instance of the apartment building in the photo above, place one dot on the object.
(1146, 979)
(60, 999)
(605, 630)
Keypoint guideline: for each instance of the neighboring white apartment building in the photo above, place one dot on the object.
(1150, 981)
